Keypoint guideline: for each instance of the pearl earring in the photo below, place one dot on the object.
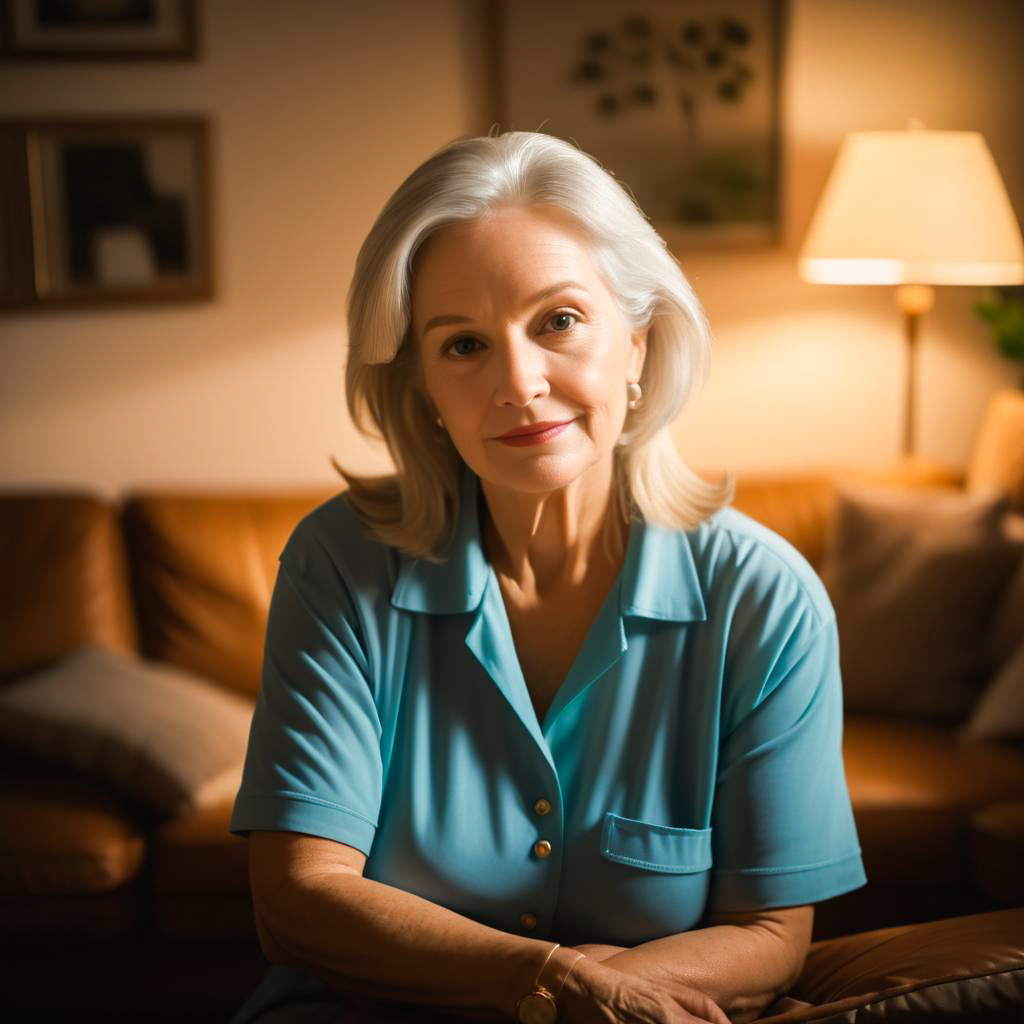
(440, 422)
(633, 394)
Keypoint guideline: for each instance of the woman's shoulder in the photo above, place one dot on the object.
(333, 541)
(750, 564)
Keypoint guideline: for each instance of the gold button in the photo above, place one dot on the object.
(542, 848)
(542, 806)
(528, 921)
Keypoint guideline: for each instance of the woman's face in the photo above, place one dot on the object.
(517, 331)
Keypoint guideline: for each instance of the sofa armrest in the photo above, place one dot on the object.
(971, 967)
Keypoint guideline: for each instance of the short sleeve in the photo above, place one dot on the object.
(782, 826)
(314, 760)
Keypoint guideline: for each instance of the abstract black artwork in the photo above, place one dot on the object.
(104, 211)
(104, 30)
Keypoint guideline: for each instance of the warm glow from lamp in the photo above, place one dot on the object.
(914, 209)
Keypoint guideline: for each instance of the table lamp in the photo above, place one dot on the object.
(914, 208)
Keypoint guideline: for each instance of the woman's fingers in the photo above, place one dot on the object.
(706, 1008)
(596, 994)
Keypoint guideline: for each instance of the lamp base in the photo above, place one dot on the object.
(914, 300)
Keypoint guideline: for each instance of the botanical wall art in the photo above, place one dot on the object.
(678, 98)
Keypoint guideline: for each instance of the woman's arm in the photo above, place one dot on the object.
(314, 910)
(742, 960)
(304, 888)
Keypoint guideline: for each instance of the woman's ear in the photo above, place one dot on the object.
(637, 355)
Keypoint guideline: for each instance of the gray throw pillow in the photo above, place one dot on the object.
(915, 577)
(154, 732)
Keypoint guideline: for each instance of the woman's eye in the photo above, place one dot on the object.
(563, 321)
(463, 346)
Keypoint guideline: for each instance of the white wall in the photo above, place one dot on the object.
(320, 108)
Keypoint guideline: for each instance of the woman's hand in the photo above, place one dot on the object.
(596, 994)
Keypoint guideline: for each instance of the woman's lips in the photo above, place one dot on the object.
(536, 433)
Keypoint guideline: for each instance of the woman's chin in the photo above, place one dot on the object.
(540, 474)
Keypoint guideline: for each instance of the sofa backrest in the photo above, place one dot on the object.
(64, 582)
(203, 569)
(801, 507)
(798, 508)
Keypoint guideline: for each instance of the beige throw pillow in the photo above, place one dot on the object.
(1007, 632)
(915, 577)
(154, 732)
(999, 714)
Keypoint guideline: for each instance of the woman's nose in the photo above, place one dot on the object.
(522, 373)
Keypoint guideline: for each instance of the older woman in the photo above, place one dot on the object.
(545, 731)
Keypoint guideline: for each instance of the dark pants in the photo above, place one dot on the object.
(289, 996)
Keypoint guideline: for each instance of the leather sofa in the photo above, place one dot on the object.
(108, 910)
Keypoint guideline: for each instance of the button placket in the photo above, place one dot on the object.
(546, 856)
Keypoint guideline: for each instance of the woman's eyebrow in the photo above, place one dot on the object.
(442, 321)
(454, 318)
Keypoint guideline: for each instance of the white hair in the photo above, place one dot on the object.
(416, 510)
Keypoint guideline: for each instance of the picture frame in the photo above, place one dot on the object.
(678, 99)
(104, 211)
(87, 30)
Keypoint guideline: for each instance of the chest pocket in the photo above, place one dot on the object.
(647, 881)
(651, 847)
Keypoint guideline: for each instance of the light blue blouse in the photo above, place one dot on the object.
(689, 762)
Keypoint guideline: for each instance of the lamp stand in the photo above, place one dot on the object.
(913, 300)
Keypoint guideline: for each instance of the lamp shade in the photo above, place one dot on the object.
(914, 207)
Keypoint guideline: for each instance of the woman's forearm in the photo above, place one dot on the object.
(742, 968)
(376, 941)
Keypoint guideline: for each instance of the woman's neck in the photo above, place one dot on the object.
(546, 543)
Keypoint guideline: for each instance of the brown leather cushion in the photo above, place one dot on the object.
(963, 967)
(204, 568)
(63, 835)
(64, 581)
(41, 919)
(997, 852)
(913, 788)
(201, 877)
(196, 853)
(214, 916)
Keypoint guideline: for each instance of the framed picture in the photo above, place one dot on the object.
(677, 98)
(100, 211)
(99, 29)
